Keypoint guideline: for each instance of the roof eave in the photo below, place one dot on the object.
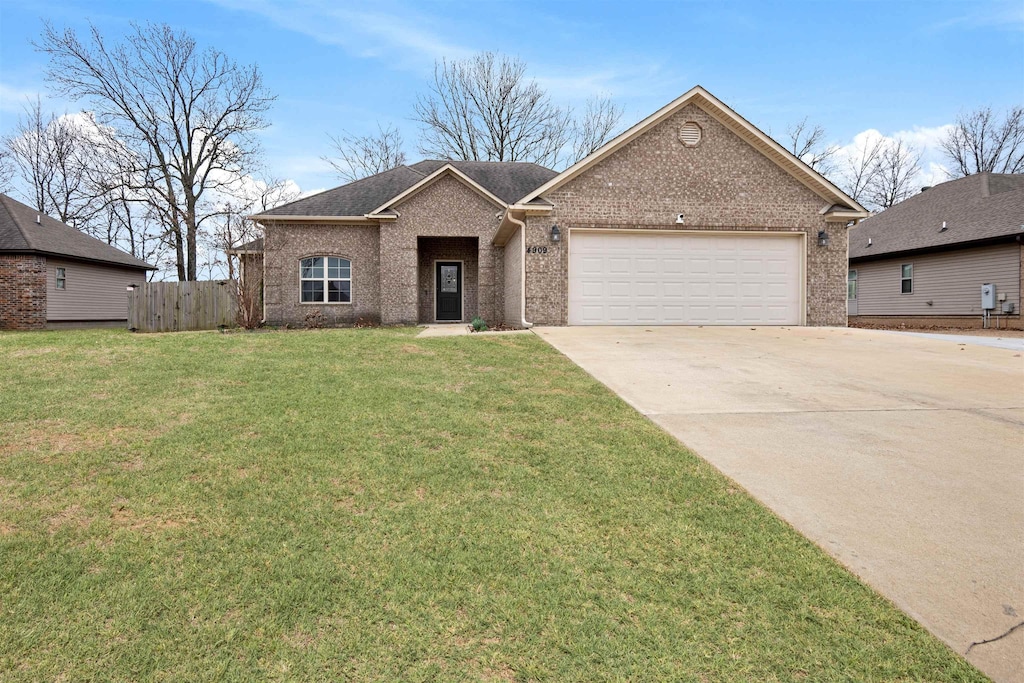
(952, 246)
(365, 218)
(84, 259)
(838, 216)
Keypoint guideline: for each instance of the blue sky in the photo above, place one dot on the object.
(894, 66)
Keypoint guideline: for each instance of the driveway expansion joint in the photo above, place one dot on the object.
(974, 410)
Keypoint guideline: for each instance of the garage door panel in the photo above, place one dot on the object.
(619, 290)
(673, 290)
(684, 278)
(646, 290)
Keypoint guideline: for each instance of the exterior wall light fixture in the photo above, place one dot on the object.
(556, 234)
(822, 238)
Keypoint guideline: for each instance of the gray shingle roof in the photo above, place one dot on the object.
(254, 245)
(508, 181)
(977, 207)
(19, 232)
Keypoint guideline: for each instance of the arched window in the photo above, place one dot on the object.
(325, 280)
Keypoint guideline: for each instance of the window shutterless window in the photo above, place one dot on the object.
(325, 279)
(907, 279)
(62, 278)
(851, 285)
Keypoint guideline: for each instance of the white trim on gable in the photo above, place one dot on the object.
(727, 117)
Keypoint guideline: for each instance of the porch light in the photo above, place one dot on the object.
(556, 234)
(822, 238)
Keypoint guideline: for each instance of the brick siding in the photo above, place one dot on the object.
(446, 208)
(286, 243)
(22, 292)
(721, 184)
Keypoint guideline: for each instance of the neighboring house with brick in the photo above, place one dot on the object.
(693, 216)
(923, 261)
(52, 275)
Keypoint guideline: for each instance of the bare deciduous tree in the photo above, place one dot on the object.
(187, 117)
(893, 180)
(366, 155)
(807, 143)
(6, 170)
(485, 108)
(591, 131)
(234, 229)
(980, 143)
(51, 157)
(858, 169)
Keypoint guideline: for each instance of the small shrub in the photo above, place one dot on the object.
(314, 320)
(479, 325)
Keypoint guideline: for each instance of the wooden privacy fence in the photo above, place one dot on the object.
(176, 306)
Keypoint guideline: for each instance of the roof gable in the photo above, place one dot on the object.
(707, 102)
(443, 171)
(974, 208)
(368, 198)
(20, 231)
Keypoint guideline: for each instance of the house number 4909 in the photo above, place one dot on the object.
(536, 250)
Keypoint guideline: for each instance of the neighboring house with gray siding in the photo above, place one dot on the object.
(924, 261)
(52, 275)
(691, 217)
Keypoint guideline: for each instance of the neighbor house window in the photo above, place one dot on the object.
(907, 279)
(851, 285)
(62, 279)
(325, 279)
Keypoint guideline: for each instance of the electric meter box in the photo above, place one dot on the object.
(988, 296)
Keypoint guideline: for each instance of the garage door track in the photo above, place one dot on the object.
(902, 457)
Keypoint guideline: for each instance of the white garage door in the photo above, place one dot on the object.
(683, 279)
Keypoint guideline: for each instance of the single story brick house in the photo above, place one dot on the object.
(54, 276)
(692, 217)
(923, 262)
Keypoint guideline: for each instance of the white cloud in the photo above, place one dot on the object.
(403, 36)
(925, 140)
(14, 99)
(572, 84)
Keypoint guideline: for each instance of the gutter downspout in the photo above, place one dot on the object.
(522, 270)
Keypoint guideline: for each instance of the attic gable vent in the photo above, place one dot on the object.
(690, 134)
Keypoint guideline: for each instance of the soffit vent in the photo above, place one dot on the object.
(690, 134)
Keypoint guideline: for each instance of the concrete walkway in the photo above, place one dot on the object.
(461, 329)
(901, 456)
(1009, 343)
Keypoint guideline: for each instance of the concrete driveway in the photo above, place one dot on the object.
(901, 456)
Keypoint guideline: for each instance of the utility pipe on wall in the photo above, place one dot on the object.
(522, 269)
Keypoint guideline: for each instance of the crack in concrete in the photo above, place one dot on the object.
(992, 640)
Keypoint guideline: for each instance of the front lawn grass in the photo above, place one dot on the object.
(365, 505)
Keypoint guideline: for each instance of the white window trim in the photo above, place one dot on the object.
(911, 278)
(462, 288)
(325, 280)
(57, 278)
(852, 279)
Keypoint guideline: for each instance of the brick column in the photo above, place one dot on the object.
(22, 292)
(398, 275)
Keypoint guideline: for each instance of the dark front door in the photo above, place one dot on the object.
(448, 276)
